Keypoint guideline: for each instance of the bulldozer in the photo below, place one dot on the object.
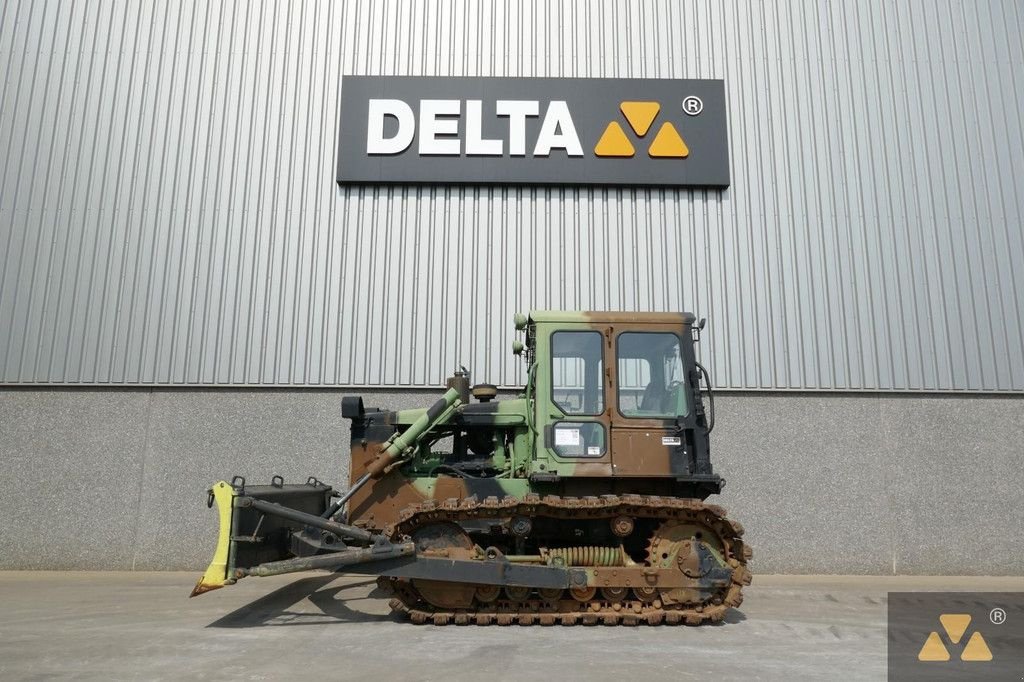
(581, 499)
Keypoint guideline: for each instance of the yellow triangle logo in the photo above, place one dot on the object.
(933, 649)
(640, 115)
(668, 144)
(976, 649)
(614, 142)
(955, 624)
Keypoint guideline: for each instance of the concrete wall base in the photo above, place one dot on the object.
(824, 483)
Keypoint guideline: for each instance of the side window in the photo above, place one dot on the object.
(577, 371)
(579, 439)
(650, 375)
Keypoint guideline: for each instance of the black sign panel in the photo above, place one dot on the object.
(567, 131)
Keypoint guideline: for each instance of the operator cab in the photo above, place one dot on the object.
(616, 395)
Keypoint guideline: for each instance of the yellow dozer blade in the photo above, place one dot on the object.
(217, 574)
(250, 535)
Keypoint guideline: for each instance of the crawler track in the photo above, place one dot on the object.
(634, 608)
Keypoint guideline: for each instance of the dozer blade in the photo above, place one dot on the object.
(216, 575)
(248, 536)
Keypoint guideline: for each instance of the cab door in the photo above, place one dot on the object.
(649, 401)
(573, 403)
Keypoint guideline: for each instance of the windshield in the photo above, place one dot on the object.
(651, 376)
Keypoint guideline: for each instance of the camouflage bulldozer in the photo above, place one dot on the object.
(581, 500)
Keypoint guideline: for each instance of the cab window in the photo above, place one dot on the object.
(651, 379)
(577, 368)
(578, 439)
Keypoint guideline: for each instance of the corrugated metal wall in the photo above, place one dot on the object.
(168, 211)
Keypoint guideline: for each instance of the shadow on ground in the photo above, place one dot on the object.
(732, 616)
(331, 605)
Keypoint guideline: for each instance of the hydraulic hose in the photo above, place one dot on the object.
(530, 377)
(711, 398)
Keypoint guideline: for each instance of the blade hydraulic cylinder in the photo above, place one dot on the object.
(340, 529)
(347, 557)
(337, 506)
(401, 442)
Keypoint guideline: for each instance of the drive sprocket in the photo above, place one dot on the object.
(693, 548)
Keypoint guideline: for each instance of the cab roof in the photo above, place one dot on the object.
(614, 317)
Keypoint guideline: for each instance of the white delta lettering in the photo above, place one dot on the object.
(439, 128)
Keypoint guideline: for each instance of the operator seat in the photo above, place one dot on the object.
(653, 398)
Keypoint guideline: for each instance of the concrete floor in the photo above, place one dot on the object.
(142, 626)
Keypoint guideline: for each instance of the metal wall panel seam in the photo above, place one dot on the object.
(98, 233)
(240, 215)
(966, 242)
(118, 212)
(17, 160)
(873, 273)
(943, 371)
(908, 206)
(892, 151)
(185, 275)
(70, 164)
(850, 180)
(158, 212)
(42, 228)
(219, 223)
(996, 148)
(37, 351)
(1018, 91)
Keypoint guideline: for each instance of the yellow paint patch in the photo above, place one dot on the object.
(668, 144)
(614, 142)
(955, 625)
(933, 649)
(976, 649)
(640, 115)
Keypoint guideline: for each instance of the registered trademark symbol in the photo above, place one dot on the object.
(997, 616)
(693, 105)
